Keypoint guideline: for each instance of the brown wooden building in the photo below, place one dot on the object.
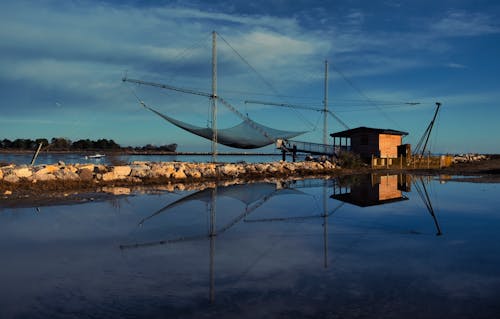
(368, 142)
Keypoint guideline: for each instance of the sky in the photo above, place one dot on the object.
(62, 64)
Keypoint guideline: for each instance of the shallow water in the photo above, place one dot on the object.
(378, 252)
(72, 158)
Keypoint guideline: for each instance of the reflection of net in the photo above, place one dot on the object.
(242, 135)
(245, 193)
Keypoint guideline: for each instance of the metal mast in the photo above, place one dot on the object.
(431, 125)
(325, 102)
(214, 96)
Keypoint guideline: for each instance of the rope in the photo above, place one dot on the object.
(249, 65)
(370, 101)
(262, 78)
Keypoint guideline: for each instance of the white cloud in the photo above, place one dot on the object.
(456, 65)
(461, 23)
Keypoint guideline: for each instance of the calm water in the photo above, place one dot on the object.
(51, 158)
(312, 249)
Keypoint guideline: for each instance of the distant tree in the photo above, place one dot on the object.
(82, 144)
(168, 148)
(6, 143)
(60, 143)
(44, 141)
(23, 144)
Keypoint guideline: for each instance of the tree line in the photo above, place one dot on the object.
(64, 144)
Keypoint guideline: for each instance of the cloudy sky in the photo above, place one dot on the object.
(62, 63)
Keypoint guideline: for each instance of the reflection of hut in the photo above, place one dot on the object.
(374, 189)
(368, 142)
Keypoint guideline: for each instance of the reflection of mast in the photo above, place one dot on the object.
(325, 224)
(324, 215)
(424, 195)
(212, 227)
(212, 235)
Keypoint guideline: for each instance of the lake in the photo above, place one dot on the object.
(374, 246)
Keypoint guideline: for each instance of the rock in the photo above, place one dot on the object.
(7, 192)
(109, 176)
(47, 169)
(139, 170)
(229, 170)
(85, 166)
(71, 168)
(272, 169)
(179, 174)
(43, 177)
(61, 163)
(192, 172)
(22, 172)
(100, 169)
(117, 190)
(86, 174)
(11, 178)
(122, 171)
(165, 170)
(66, 175)
(1, 174)
(261, 167)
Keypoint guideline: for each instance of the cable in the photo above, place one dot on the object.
(364, 95)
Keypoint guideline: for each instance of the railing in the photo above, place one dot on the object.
(307, 147)
(413, 162)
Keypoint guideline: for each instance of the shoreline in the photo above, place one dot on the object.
(40, 185)
(145, 153)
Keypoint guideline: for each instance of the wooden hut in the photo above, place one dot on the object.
(370, 142)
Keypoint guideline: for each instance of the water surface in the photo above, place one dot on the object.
(73, 158)
(361, 247)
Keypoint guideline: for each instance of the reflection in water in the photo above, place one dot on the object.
(252, 195)
(424, 196)
(374, 189)
(380, 189)
(362, 191)
(269, 250)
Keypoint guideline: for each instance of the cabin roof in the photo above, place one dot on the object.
(363, 129)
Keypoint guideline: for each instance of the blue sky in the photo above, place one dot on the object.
(62, 62)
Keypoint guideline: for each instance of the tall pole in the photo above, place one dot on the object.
(325, 111)
(214, 96)
(430, 127)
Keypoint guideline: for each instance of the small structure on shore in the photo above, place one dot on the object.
(370, 142)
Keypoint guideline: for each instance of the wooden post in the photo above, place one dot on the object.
(36, 154)
(371, 163)
(400, 162)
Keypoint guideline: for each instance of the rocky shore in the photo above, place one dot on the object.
(35, 180)
(61, 180)
(138, 172)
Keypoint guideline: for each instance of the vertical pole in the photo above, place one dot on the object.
(325, 104)
(214, 96)
(438, 105)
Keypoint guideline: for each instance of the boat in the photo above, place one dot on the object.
(95, 156)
